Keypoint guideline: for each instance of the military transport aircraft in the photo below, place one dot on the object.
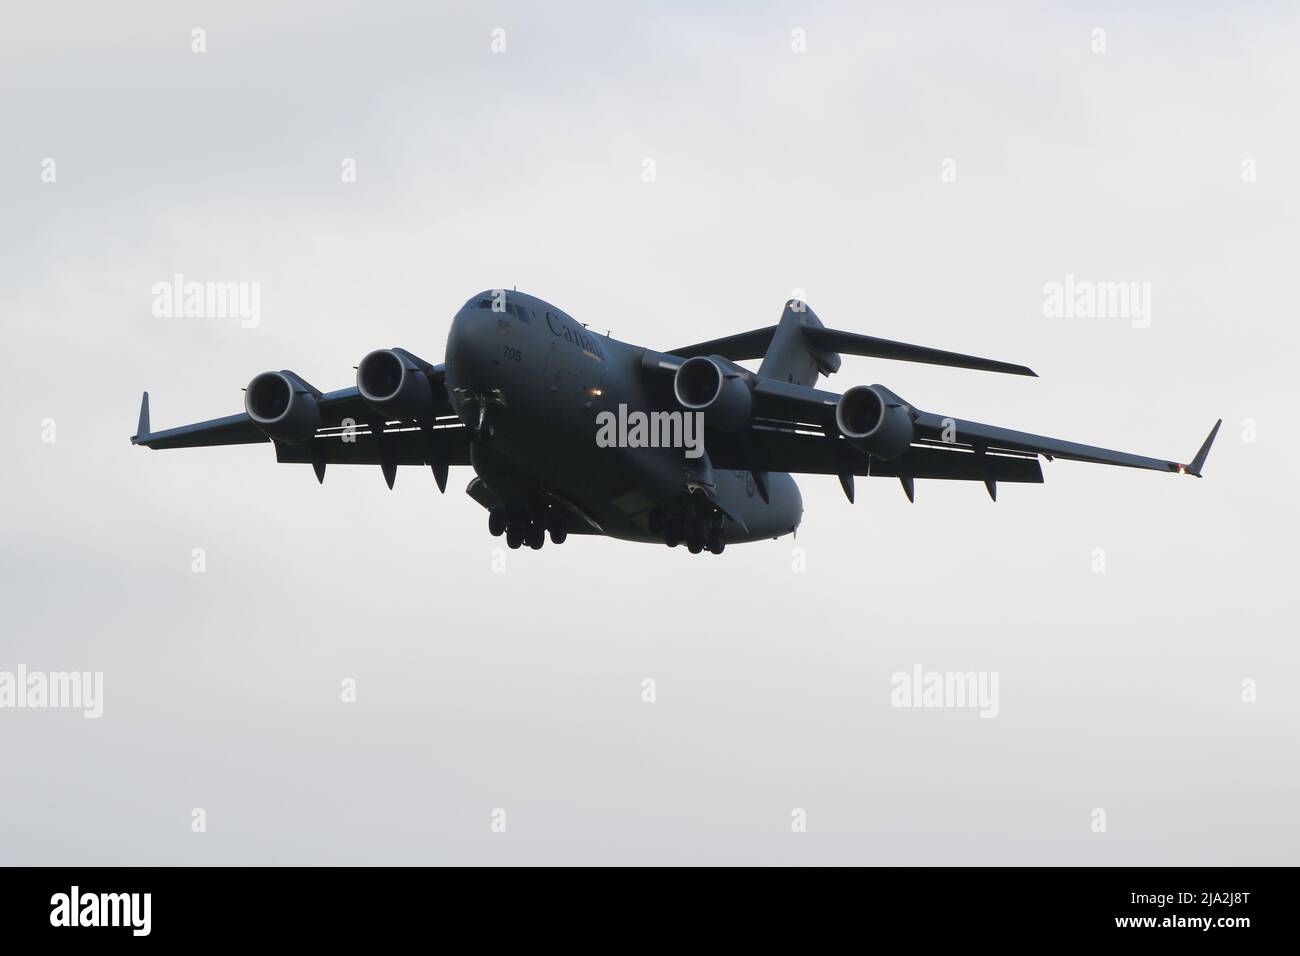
(528, 398)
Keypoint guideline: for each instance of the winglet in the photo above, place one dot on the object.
(1199, 461)
(142, 429)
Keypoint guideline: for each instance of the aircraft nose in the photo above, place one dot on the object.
(470, 345)
(461, 345)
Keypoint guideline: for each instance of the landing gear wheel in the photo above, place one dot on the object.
(496, 523)
(694, 538)
(558, 535)
(514, 537)
(536, 535)
(674, 533)
(715, 541)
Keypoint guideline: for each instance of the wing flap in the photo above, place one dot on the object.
(410, 446)
(780, 450)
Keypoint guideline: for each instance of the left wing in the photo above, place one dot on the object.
(795, 429)
(932, 427)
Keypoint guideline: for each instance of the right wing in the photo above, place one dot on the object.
(239, 429)
(350, 431)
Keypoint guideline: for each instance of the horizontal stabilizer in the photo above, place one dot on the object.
(738, 347)
(851, 343)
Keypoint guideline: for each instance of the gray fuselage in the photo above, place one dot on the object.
(539, 379)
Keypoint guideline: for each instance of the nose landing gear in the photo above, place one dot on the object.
(484, 406)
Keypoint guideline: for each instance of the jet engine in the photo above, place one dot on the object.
(282, 406)
(870, 422)
(702, 384)
(393, 383)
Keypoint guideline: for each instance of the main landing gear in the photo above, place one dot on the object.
(528, 526)
(697, 532)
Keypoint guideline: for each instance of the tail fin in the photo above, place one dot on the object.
(792, 356)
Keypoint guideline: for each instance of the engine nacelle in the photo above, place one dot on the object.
(869, 422)
(282, 406)
(704, 385)
(392, 382)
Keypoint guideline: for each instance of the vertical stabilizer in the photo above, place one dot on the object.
(792, 357)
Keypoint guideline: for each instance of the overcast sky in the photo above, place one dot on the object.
(795, 149)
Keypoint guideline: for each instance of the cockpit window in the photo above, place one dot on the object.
(511, 308)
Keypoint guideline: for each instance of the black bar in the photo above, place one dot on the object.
(917, 907)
